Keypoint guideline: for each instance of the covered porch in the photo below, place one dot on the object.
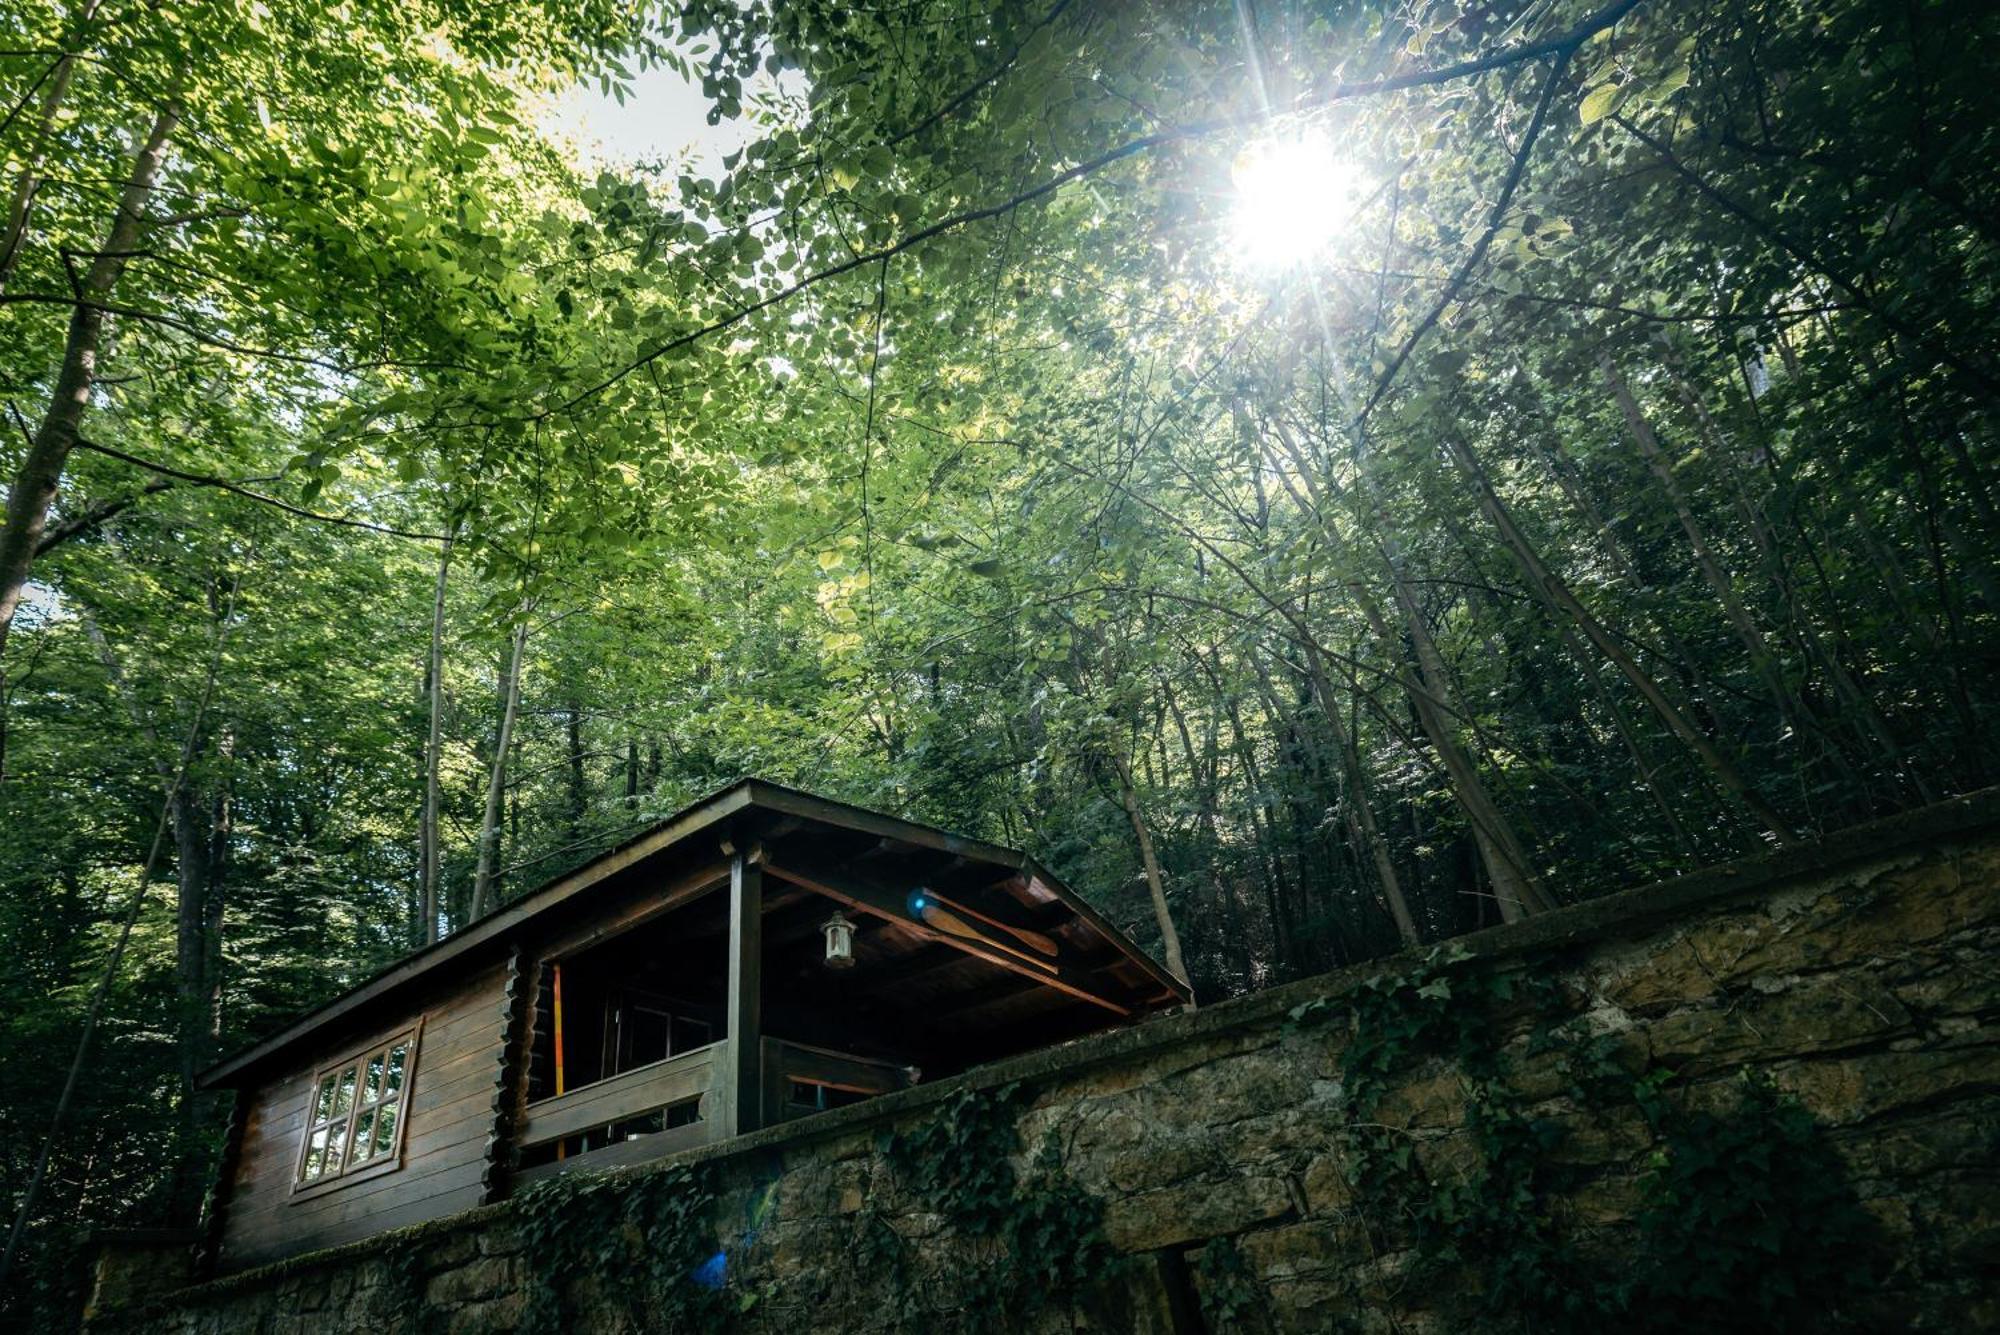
(821, 955)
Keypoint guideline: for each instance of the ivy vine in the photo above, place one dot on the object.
(1747, 1219)
(649, 1240)
(1041, 1235)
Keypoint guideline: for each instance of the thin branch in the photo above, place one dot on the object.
(1562, 46)
(94, 514)
(224, 484)
(1478, 252)
(973, 89)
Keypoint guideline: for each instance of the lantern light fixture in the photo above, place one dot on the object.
(839, 931)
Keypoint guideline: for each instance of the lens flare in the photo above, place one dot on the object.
(1294, 195)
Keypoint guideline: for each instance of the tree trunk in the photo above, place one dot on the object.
(429, 850)
(29, 181)
(34, 487)
(1762, 660)
(1358, 810)
(1515, 885)
(1559, 592)
(496, 781)
(1518, 889)
(1170, 939)
(579, 790)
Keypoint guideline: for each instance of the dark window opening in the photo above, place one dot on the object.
(607, 1011)
(812, 1096)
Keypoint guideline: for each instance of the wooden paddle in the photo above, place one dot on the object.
(1039, 940)
(926, 909)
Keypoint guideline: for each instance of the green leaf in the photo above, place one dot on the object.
(1596, 104)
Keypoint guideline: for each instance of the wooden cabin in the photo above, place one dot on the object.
(763, 955)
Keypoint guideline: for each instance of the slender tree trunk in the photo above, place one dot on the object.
(496, 781)
(1762, 660)
(59, 1120)
(1264, 833)
(1170, 939)
(1557, 591)
(1520, 892)
(430, 856)
(1515, 886)
(15, 232)
(1804, 634)
(579, 790)
(1358, 809)
(35, 484)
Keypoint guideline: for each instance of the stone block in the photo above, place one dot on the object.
(1868, 1085)
(491, 1316)
(482, 1278)
(1325, 1184)
(1433, 1099)
(1194, 1211)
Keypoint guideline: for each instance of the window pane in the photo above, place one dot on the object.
(648, 1035)
(385, 1127)
(323, 1102)
(396, 1057)
(343, 1094)
(364, 1144)
(371, 1083)
(336, 1144)
(315, 1156)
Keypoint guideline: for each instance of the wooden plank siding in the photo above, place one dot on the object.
(449, 1117)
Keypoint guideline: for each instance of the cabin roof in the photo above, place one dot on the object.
(1099, 957)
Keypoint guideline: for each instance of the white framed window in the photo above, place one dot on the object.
(355, 1113)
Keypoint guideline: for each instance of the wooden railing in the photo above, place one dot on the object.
(785, 1062)
(656, 1087)
(622, 1098)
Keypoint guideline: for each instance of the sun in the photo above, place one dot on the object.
(1293, 196)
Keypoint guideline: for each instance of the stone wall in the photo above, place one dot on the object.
(1220, 1154)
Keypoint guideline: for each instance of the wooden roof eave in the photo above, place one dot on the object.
(731, 801)
(487, 932)
(1154, 970)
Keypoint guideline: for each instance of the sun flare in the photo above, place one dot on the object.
(1293, 196)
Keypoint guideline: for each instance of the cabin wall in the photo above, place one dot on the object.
(449, 1111)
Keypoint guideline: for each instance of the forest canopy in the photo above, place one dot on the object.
(1321, 477)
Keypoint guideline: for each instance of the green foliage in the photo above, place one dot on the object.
(1041, 1235)
(1230, 1294)
(645, 1241)
(1748, 1221)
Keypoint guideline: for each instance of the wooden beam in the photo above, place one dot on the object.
(974, 998)
(741, 1082)
(777, 797)
(885, 903)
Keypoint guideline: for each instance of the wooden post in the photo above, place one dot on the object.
(741, 1081)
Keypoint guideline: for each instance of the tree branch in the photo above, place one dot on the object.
(1478, 252)
(224, 484)
(1562, 45)
(94, 514)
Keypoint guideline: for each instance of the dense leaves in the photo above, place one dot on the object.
(1607, 491)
